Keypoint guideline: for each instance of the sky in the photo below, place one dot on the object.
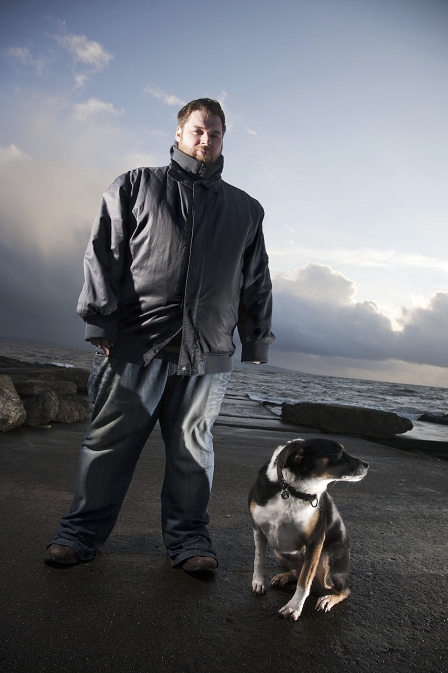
(337, 122)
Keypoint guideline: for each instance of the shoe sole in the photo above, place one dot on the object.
(191, 569)
(55, 561)
(59, 564)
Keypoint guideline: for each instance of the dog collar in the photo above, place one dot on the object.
(288, 490)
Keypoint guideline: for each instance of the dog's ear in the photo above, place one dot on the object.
(292, 453)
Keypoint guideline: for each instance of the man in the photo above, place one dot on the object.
(176, 260)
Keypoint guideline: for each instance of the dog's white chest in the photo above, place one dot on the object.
(285, 523)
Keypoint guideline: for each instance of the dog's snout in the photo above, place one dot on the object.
(366, 465)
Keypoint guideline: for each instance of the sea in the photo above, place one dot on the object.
(280, 385)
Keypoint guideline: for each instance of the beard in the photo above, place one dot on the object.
(202, 154)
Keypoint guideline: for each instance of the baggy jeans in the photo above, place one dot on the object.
(128, 400)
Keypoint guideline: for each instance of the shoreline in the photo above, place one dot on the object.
(43, 354)
(422, 432)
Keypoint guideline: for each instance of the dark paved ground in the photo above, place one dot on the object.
(129, 612)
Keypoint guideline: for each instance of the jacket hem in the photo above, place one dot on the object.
(136, 351)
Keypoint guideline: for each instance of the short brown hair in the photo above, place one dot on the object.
(212, 107)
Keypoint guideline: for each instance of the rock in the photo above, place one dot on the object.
(42, 408)
(76, 375)
(346, 420)
(29, 387)
(12, 411)
(72, 409)
(432, 418)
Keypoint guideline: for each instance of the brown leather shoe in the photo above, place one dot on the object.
(61, 555)
(199, 563)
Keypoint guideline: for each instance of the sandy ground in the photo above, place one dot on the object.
(128, 611)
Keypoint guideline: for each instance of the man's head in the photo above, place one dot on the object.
(201, 128)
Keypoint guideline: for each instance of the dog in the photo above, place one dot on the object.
(292, 511)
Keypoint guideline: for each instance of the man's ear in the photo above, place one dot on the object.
(178, 133)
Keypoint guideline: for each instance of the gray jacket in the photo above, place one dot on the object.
(177, 250)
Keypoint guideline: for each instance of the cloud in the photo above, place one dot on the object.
(164, 97)
(250, 131)
(23, 56)
(50, 193)
(364, 257)
(11, 154)
(85, 51)
(20, 54)
(81, 79)
(94, 106)
(38, 296)
(49, 196)
(222, 97)
(319, 283)
(56, 208)
(316, 314)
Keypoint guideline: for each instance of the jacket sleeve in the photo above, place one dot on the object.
(104, 261)
(255, 308)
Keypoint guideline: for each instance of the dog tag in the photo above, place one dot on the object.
(285, 494)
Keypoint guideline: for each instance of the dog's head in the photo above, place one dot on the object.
(321, 459)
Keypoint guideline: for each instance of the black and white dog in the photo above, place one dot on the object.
(292, 511)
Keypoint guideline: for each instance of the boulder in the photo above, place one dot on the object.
(76, 375)
(433, 418)
(29, 387)
(72, 409)
(42, 408)
(12, 411)
(346, 420)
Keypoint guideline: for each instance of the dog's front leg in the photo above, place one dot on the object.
(259, 576)
(293, 609)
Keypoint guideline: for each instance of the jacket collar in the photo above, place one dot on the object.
(194, 170)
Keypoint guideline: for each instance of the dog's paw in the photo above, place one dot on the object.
(325, 603)
(290, 611)
(258, 586)
(282, 578)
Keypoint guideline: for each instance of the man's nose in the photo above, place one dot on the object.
(206, 139)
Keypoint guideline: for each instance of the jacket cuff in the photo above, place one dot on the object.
(101, 327)
(254, 351)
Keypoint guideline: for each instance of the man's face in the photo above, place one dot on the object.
(201, 137)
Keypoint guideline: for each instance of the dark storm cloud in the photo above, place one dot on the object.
(38, 298)
(316, 314)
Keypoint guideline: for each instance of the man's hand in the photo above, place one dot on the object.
(104, 344)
